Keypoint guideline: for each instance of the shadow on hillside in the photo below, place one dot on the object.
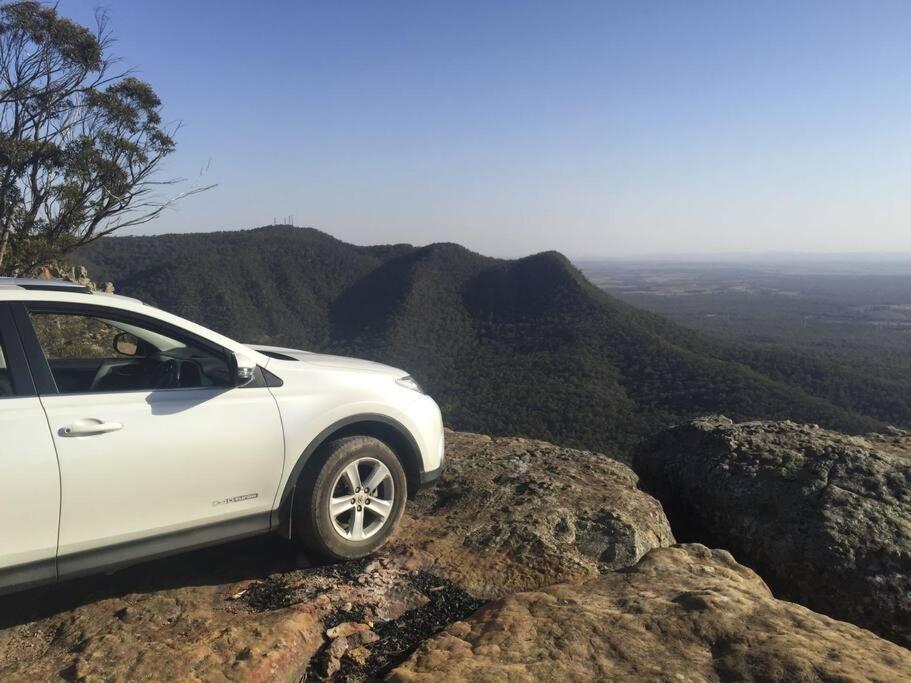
(368, 305)
(242, 560)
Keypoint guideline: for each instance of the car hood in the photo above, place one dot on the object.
(275, 354)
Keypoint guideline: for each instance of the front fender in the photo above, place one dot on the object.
(290, 481)
(416, 431)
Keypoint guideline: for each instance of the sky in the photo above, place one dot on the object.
(599, 129)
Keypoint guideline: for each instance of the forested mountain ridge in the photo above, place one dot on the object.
(525, 347)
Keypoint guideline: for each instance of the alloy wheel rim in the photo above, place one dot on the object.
(361, 499)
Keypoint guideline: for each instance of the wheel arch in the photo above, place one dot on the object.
(388, 430)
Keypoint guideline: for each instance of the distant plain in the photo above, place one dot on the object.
(852, 309)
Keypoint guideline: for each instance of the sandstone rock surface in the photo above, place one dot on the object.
(509, 514)
(824, 518)
(682, 614)
(513, 514)
(191, 618)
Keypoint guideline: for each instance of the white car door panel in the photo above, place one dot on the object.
(158, 449)
(29, 490)
(29, 476)
(142, 464)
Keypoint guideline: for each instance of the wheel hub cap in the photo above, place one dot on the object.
(362, 499)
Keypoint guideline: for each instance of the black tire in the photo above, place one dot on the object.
(312, 523)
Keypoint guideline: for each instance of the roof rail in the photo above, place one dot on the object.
(45, 285)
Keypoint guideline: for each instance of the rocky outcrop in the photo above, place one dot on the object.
(682, 614)
(509, 514)
(513, 514)
(77, 274)
(824, 518)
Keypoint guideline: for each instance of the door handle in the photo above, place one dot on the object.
(90, 428)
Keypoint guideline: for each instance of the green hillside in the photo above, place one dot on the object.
(525, 347)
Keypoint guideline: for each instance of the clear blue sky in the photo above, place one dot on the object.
(595, 128)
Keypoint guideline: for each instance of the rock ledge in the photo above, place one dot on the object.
(823, 517)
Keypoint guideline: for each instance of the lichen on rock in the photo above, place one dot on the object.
(513, 514)
(823, 517)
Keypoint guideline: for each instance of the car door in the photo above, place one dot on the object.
(29, 477)
(148, 466)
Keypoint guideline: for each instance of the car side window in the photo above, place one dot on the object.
(89, 353)
(65, 337)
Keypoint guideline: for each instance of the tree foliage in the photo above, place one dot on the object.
(80, 142)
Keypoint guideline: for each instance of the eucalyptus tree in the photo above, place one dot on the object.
(80, 141)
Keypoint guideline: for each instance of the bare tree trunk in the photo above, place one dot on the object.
(4, 242)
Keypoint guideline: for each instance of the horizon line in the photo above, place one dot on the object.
(767, 254)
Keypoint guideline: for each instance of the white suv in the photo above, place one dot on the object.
(128, 433)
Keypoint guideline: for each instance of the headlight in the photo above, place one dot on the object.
(409, 383)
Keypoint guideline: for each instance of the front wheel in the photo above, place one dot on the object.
(354, 503)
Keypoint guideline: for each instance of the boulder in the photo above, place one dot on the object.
(513, 514)
(824, 518)
(685, 613)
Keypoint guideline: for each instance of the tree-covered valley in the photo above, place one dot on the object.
(524, 347)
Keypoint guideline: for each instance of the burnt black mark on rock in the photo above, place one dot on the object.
(399, 638)
(273, 593)
(447, 494)
(357, 613)
(343, 572)
(276, 593)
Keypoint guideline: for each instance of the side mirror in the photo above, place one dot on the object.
(243, 370)
(126, 344)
